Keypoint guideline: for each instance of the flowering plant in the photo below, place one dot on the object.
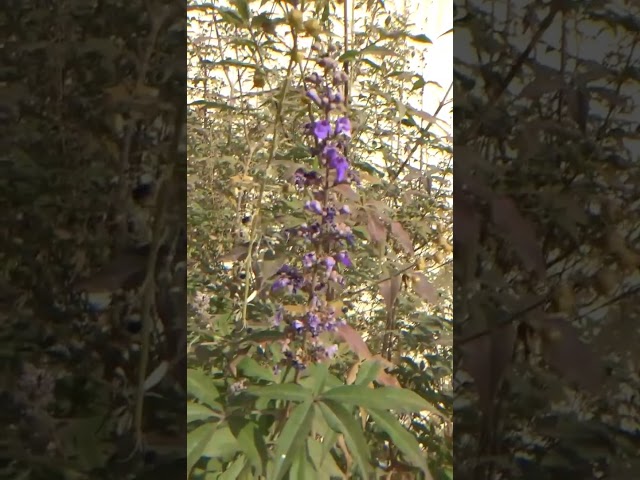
(288, 398)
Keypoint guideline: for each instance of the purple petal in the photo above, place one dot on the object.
(331, 351)
(343, 257)
(341, 170)
(322, 129)
(280, 283)
(313, 95)
(313, 206)
(343, 125)
(329, 262)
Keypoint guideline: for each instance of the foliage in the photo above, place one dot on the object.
(546, 267)
(91, 96)
(384, 394)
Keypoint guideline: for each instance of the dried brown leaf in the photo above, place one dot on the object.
(402, 237)
(389, 290)
(487, 358)
(566, 353)
(519, 232)
(346, 191)
(423, 287)
(352, 338)
(236, 254)
(377, 229)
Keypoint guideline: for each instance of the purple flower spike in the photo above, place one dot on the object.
(343, 257)
(343, 125)
(313, 95)
(314, 206)
(322, 129)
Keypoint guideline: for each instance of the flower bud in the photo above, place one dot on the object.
(313, 27)
(297, 56)
(258, 80)
(295, 19)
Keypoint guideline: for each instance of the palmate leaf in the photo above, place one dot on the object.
(342, 421)
(250, 441)
(289, 391)
(291, 439)
(319, 453)
(399, 400)
(196, 411)
(302, 467)
(200, 386)
(196, 442)
(402, 439)
(367, 372)
(222, 445)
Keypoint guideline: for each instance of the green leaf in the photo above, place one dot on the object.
(222, 445)
(321, 427)
(250, 441)
(379, 51)
(243, 9)
(367, 372)
(301, 467)
(196, 442)
(230, 16)
(288, 391)
(341, 420)
(291, 439)
(319, 453)
(349, 55)
(196, 412)
(402, 439)
(422, 38)
(316, 378)
(252, 369)
(201, 387)
(399, 400)
(233, 471)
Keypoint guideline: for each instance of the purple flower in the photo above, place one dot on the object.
(313, 206)
(329, 262)
(331, 351)
(277, 318)
(313, 95)
(314, 78)
(330, 215)
(313, 322)
(281, 283)
(345, 210)
(340, 77)
(343, 257)
(327, 62)
(341, 167)
(336, 161)
(343, 125)
(309, 259)
(297, 326)
(321, 129)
